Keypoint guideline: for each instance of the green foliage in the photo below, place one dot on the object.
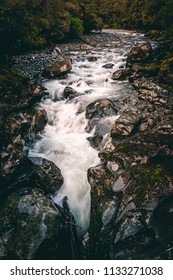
(33, 24)
(76, 27)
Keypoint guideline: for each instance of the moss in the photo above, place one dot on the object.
(145, 180)
(152, 69)
(12, 77)
(167, 63)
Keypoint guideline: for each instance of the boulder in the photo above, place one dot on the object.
(95, 140)
(31, 227)
(121, 75)
(139, 54)
(69, 92)
(92, 58)
(17, 91)
(101, 108)
(126, 124)
(47, 175)
(57, 68)
(29, 172)
(108, 65)
(126, 222)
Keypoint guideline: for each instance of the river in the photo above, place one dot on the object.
(64, 139)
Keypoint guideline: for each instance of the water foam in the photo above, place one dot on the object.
(64, 140)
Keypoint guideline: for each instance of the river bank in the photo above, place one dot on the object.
(128, 125)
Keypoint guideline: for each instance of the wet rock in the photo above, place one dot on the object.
(39, 120)
(57, 68)
(31, 227)
(128, 228)
(130, 231)
(126, 124)
(92, 59)
(47, 174)
(121, 182)
(100, 108)
(69, 92)
(35, 171)
(139, 54)
(11, 157)
(96, 140)
(108, 65)
(19, 130)
(121, 75)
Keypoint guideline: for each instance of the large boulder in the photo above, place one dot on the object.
(57, 68)
(31, 227)
(125, 191)
(126, 124)
(18, 130)
(47, 175)
(28, 173)
(101, 108)
(139, 54)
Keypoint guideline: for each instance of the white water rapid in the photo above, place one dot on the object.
(64, 140)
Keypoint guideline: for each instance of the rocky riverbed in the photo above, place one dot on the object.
(131, 186)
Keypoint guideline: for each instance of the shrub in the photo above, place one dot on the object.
(76, 27)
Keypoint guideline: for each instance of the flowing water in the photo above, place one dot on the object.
(64, 140)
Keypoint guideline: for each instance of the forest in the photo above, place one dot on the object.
(26, 25)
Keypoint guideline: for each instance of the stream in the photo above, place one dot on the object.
(64, 139)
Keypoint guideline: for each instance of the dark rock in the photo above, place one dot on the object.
(69, 92)
(162, 220)
(124, 223)
(130, 231)
(40, 119)
(108, 65)
(121, 75)
(126, 124)
(17, 91)
(19, 130)
(48, 175)
(35, 171)
(92, 58)
(150, 92)
(57, 68)
(31, 227)
(139, 54)
(96, 140)
(101, 108)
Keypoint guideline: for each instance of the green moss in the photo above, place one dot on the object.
(145, 180)
(152, 69)
(12, 78)
(167, 64)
